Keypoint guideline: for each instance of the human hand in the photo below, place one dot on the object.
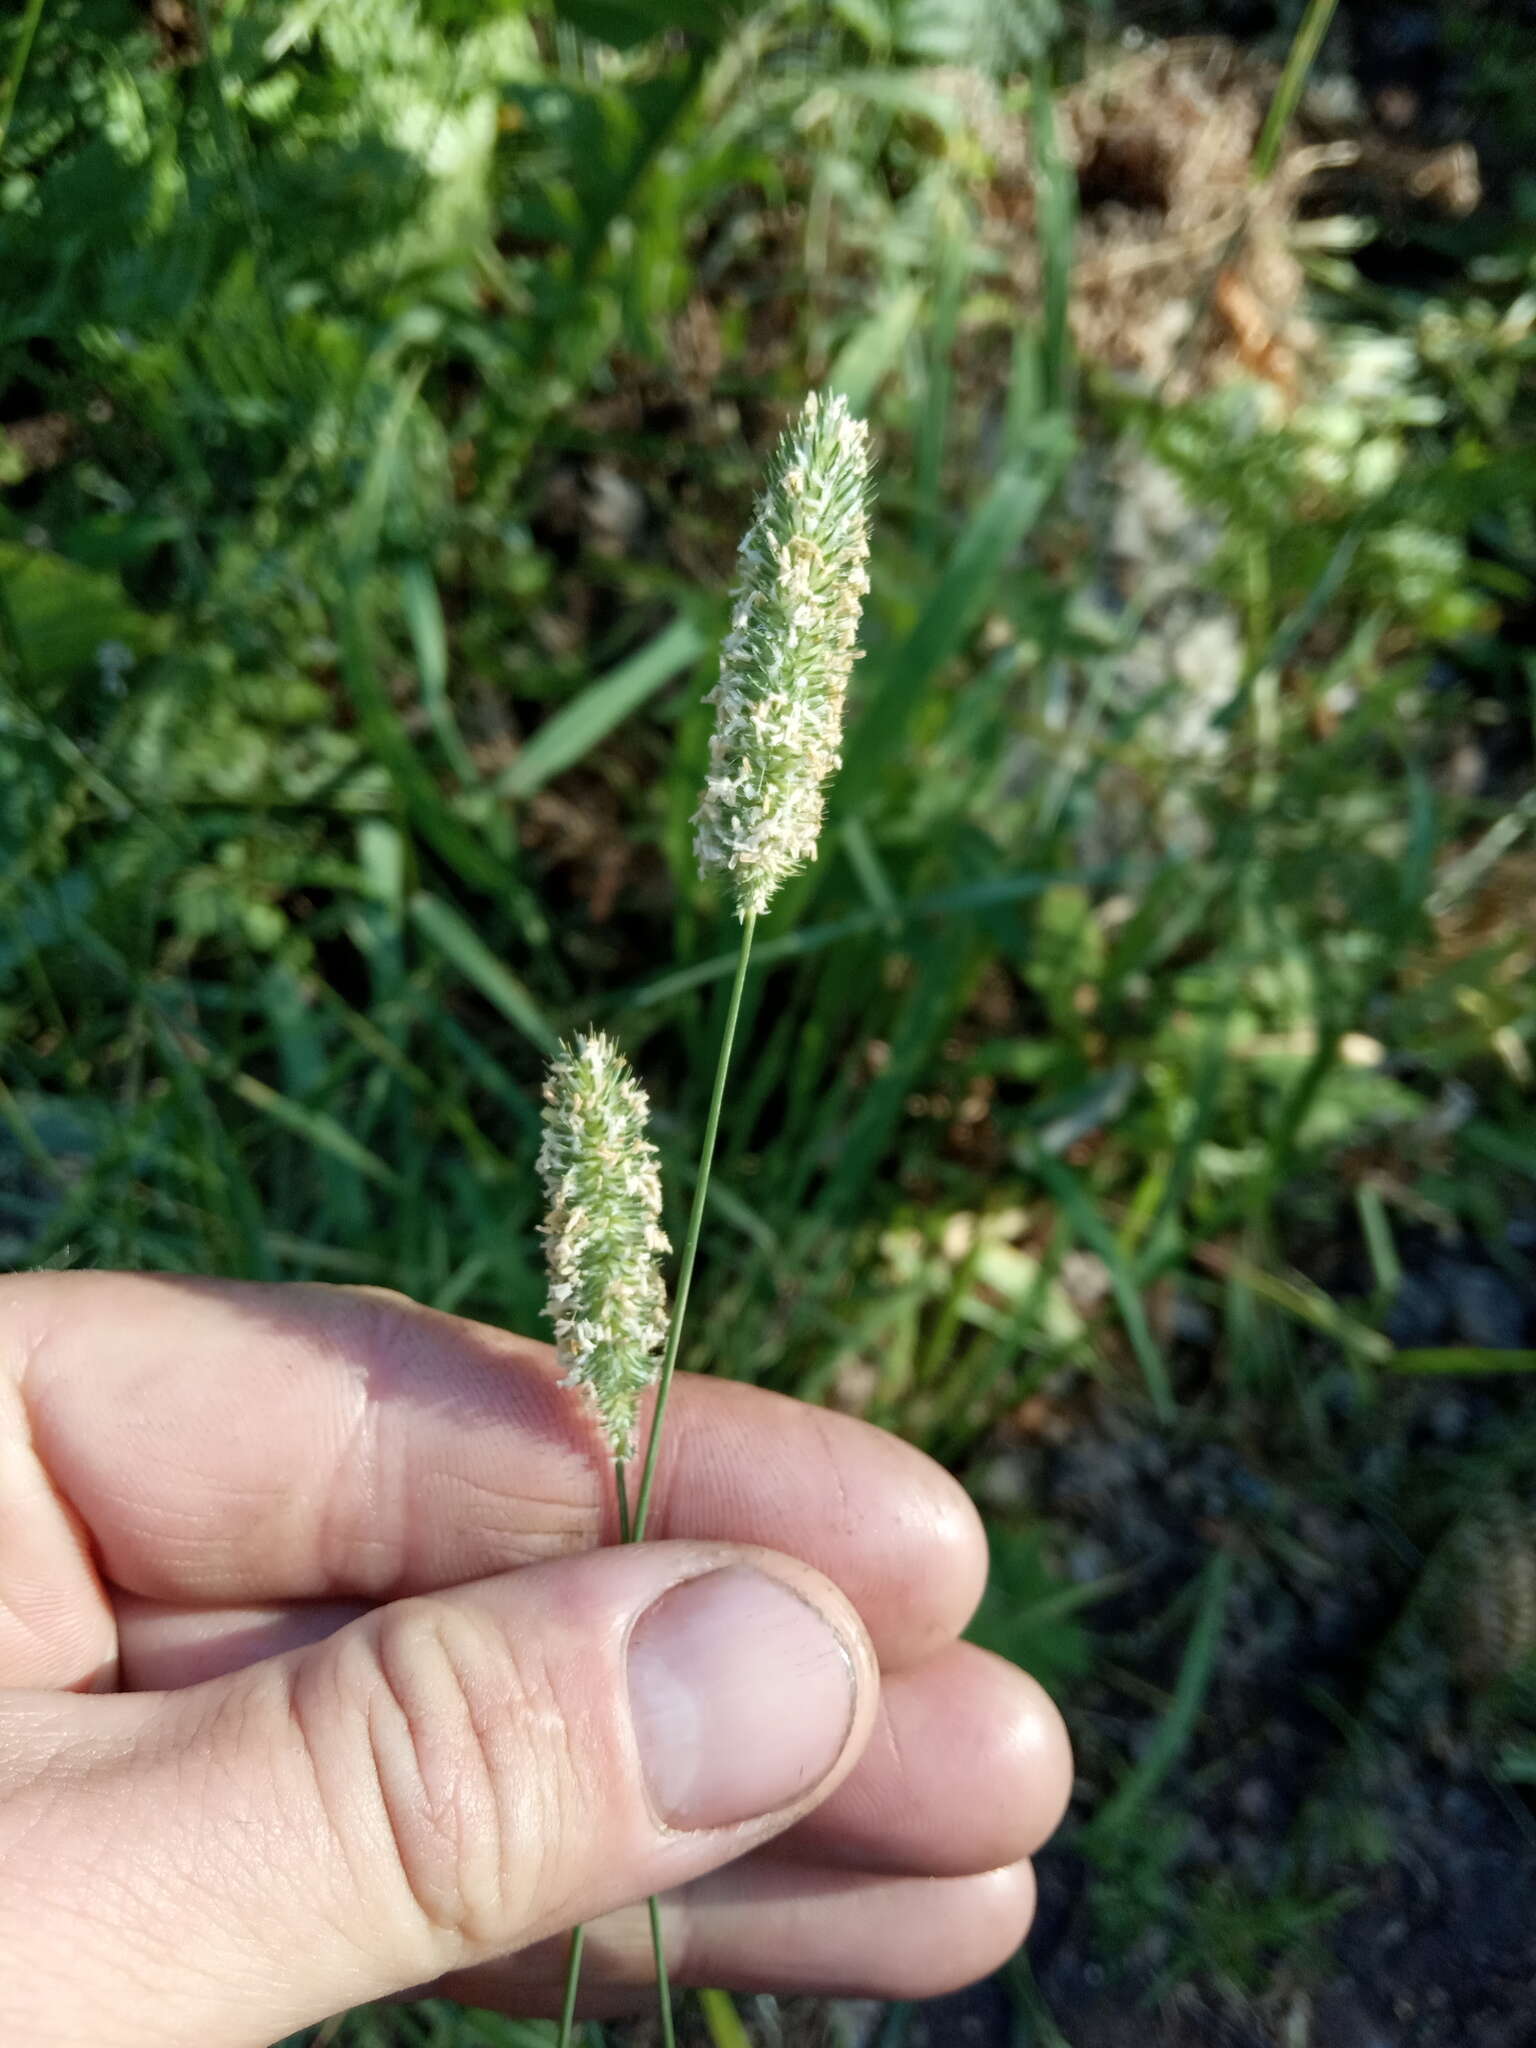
(318, 1691)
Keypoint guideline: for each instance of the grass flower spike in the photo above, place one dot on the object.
(785, 663)
(602, 1232)
(784, 670)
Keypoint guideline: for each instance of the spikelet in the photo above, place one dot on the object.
(602, 1232)
(785, 663)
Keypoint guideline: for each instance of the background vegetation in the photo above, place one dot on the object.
(1136, 1101)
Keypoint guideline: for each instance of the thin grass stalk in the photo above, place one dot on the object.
(1300, 58)
(663, 1981)
(695, 1226)
(12, 85)
(572, 1986)
(1305, 44)
(632, 1525)
(669, 1368)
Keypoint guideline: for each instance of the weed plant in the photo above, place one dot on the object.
(384, 388)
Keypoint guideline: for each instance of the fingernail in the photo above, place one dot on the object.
(742, 1698)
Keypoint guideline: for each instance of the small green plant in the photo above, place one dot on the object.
(1076, 1048)
(784, 671)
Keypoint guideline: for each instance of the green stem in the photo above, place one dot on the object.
(632, 1527)
(572, 1984)
(33, 16)
(1305, 44)
(695, 1226)
(669, 1367)
(663, 1982)
(579, 1934)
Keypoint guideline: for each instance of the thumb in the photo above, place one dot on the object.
(444, 1780)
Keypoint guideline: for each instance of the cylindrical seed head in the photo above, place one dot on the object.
(785, 663)
(602, 1232)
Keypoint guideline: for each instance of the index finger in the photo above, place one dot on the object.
(226, 1442)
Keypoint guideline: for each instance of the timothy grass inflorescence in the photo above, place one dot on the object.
(602, 1231)
(785, 664)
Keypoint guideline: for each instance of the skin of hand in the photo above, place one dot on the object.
(315, 1688)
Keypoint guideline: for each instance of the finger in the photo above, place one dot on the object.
(444, 1780)
(162, 1647)
(767, 1926)
(968, 1768)
(247, 1444)
(56, 1626)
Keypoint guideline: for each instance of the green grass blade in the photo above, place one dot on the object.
(953, 269)
(990, 894)
(1305, 44)
(1303, 1302)
(12, 87)
(315, 1126)
(1083, 1216)
(577, 727)
(429, 637)
(1056, 200)
(1172, 1735)
(442, 926)
(465, 852)
(896, 680)
(870, 353)
(1462, 1358)
(721, 2021)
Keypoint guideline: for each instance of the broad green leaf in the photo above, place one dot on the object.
(65, 619)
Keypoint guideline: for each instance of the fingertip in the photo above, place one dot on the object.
(1034, 1762)
(928, 1536)
(969, 1769)
(959, 1542)
(1005, 1912)
(999, 1909)
(972, 1927)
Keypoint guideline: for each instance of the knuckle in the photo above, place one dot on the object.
(440, 1702)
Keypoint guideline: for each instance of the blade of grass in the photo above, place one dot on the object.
(1300, 1300)
(1305, 44)
(442, 926)
(576, 728)
(1463, 1358)
(721, 2021)
(1056, 203)
(317, 1127)
(429, 637)
(1380, 1245)
(1083, 1216)
(466, 854)
(898, 678)
(943, 974)
(33, 16)
(1172, 1735)
(248, 1253)
(808, 939)
(872, 350)
(1164, 1238)
(953, 267)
